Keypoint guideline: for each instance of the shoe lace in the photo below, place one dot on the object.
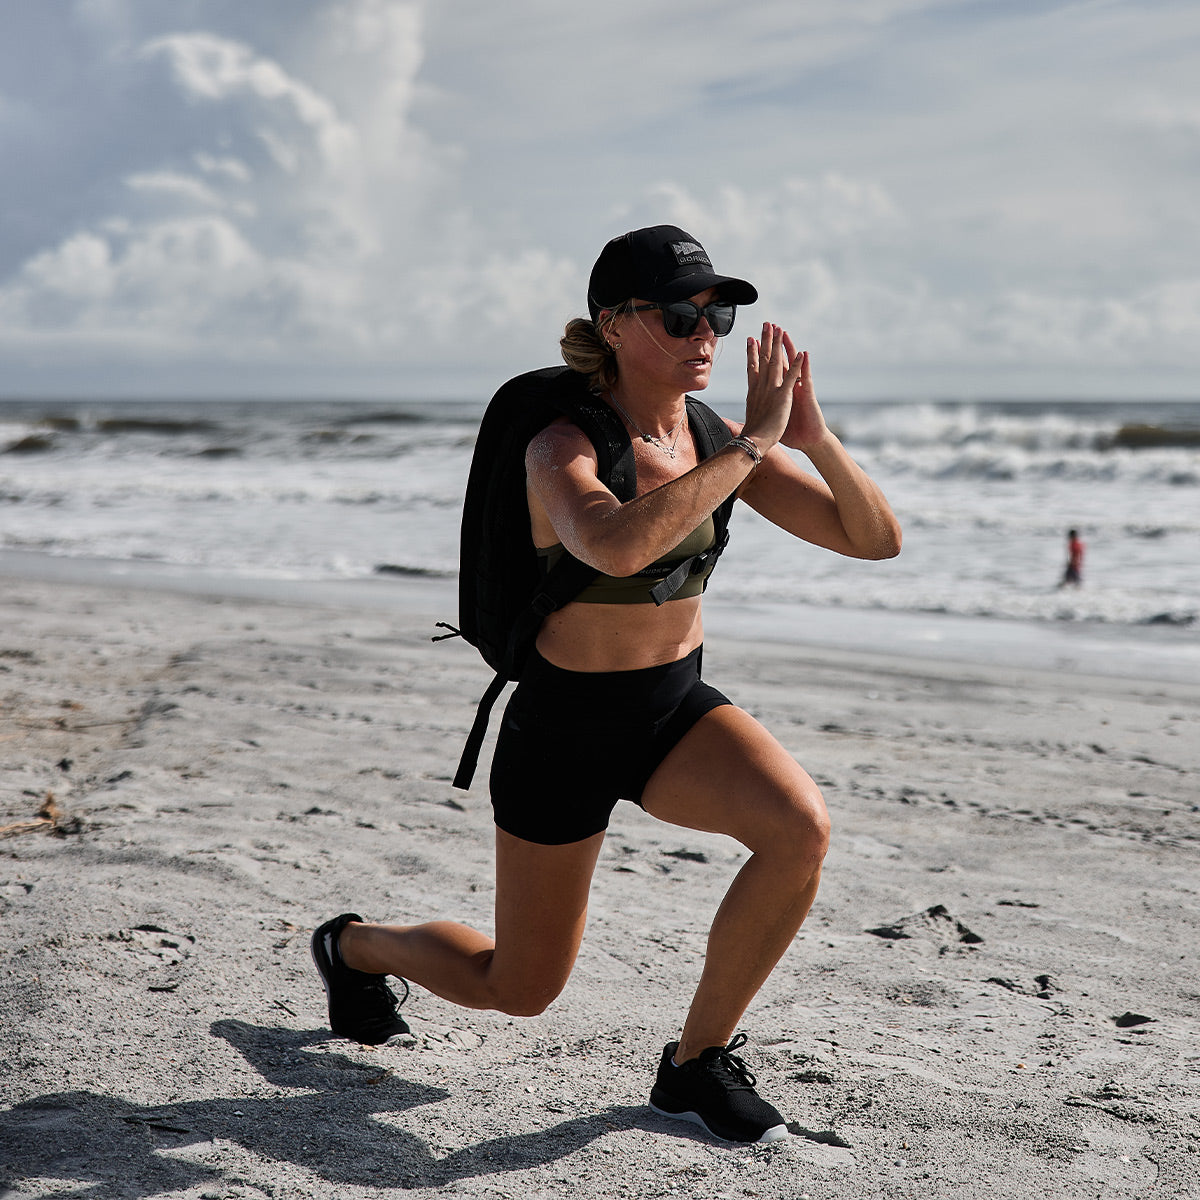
(386, 998)
(727, 1066)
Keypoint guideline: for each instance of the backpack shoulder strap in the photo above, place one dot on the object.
(711, 433)
(614, 451)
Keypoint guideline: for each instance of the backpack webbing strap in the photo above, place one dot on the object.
(470, 755)
(662, 591)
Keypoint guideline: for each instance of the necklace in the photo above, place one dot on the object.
(661, 441)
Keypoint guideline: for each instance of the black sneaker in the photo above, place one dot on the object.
(717, 1092)
(361, 1007)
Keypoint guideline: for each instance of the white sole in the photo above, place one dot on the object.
(775, 1134)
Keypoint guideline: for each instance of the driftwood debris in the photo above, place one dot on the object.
(50, 819)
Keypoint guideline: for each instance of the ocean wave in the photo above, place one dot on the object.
(1178, 619)
(1153, 437)
(1027, 428)
(31, 443)
(266, 428)
(326, 491)
(1006, 465)
(165, 426)
(412, 572)
(942, 443)
(386, 417)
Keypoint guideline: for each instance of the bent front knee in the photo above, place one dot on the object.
(800, 834)
(822, 828)
(807, 842)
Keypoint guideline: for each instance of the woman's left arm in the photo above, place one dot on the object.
(843, 510)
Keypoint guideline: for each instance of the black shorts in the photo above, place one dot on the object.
(573, 743)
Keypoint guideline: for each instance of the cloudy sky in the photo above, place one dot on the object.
(404, 197)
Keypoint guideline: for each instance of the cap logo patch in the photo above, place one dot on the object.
(687, 253)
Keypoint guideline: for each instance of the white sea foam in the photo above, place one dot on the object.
(312, 492)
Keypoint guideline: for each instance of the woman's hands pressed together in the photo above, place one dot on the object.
(781, 403)
(844, 511)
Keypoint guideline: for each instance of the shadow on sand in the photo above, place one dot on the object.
(330, 1130)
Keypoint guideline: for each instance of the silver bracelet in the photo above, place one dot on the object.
(742, 442)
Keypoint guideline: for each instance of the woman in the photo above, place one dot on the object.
(612, 669)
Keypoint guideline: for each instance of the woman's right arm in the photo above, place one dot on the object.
(620, 539)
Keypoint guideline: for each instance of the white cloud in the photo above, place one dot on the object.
(231, 168)
(173, 184)
(388, 189)
(215, 69)
(1165, 115)
(77, 271)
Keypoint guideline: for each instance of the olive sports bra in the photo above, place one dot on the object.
(635, 589)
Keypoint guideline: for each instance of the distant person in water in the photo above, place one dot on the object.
(1073, 575)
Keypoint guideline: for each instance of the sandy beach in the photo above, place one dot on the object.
(996, 994)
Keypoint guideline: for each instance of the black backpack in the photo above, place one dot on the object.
(503, 593)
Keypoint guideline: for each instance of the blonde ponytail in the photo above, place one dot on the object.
(585, 349)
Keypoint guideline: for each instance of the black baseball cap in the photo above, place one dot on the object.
(660, 263)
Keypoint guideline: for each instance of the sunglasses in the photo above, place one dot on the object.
(681, 317)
